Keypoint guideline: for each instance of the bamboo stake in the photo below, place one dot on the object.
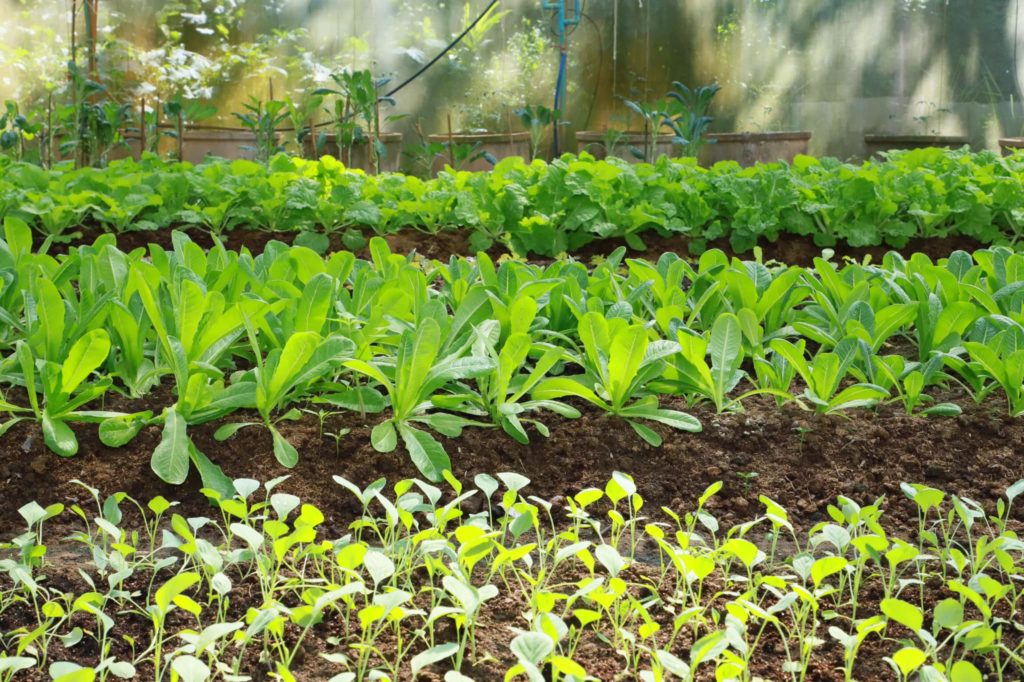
(49, 131)
(92, 8)
(375, 139)
(451, 141)
(142, 128)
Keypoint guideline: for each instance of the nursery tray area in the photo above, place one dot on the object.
(802, 463)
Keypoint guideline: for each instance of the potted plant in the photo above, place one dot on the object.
(749, 147)
(1010, 145)
(353, 134)
(929, 133)
(673, 126)
(537, 119)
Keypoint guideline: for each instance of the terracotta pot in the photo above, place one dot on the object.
(594, 142)
(748, 149)
(131, 151)
(227, 144)
(499, 145)
(390, 162)
(1009, 145)
(876, 144)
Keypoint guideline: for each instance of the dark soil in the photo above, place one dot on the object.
(802, 461)
(791, 249)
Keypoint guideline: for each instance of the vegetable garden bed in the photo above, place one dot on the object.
(538, 209)
(825, 455)
(789, 248)
(600, 584)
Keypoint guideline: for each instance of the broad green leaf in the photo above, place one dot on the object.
(909, 659)
(383, 437)
(725, 346)
(284, 451)
(625, 357)
(58, 436)
(190, 669)
(173, 587)
(949, 614)
(171, 456)
(417, 351)
(18, 236)
(116, 432)
(426, 453)
(964, 671)
(296, 353)
(904, 613)
(225, 431)
(315, 304)
(825, 567)
(433, 655)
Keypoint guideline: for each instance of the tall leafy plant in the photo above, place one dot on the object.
(620, 361)
(419, 370)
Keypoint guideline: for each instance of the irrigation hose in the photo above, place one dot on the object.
(445, 51)
(401, 85)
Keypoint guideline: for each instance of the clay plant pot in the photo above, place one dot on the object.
(132, 149)
(748, 149)
(499, 145)
(876, 144)
(594, 142)
(390, 161)
(1009, 145)
(227, 144)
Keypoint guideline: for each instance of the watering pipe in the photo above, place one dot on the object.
(445, 51)
(566, 18)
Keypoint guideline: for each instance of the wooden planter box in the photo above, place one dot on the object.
(876, 144)
(748, 149)
(594, 141)
(1009, 145)
(390, 162)
(500, 145)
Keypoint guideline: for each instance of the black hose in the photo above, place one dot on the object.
(401, 85)
(445, 51)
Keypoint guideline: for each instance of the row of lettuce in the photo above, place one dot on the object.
(435, 348)
(432, 585)
(540, 208)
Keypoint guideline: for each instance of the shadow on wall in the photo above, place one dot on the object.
(839, 68)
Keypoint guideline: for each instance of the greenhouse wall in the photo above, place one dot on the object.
(837, 68)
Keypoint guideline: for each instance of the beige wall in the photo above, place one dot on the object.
(839, 68)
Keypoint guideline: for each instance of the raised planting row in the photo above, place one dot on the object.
(425, 584)
(539, 208)
(436, 347)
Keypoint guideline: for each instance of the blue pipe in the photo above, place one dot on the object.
(563, 21)
(559, 98)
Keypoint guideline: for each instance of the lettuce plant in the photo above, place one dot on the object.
(284, 376)
(420, 370)
(619, 361)
(65, 388)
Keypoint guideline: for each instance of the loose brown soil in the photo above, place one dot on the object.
(802, 461)
(791, 249)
